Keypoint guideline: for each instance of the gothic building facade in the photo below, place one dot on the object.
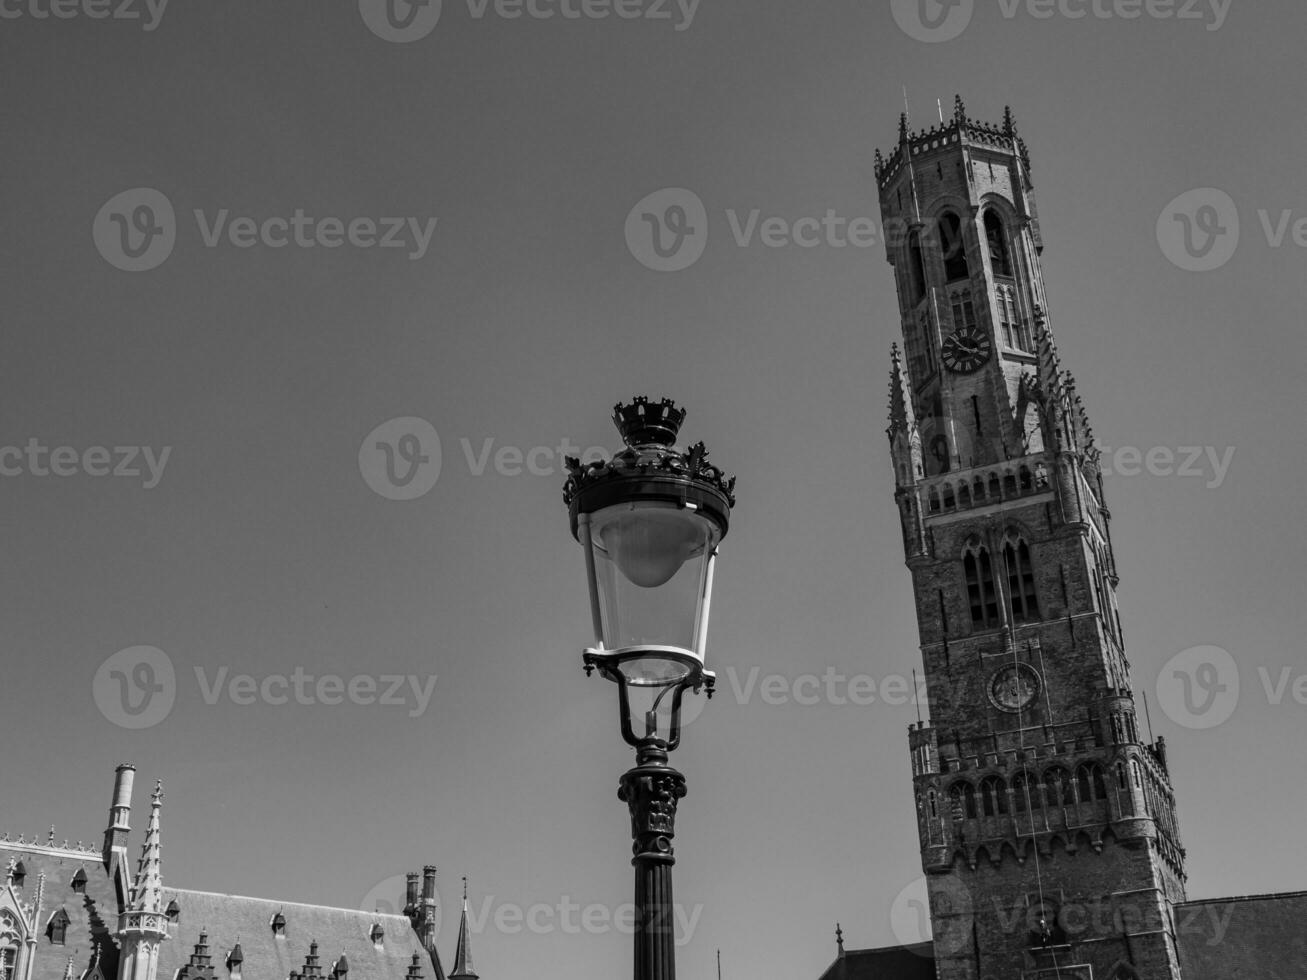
(1047, 818)
(78, 912)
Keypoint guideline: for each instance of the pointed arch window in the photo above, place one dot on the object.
(9, 938)
(1057, 788)
(981, 593)
(962, 797)
(1000, 256)
(1007, 315)
(954, 248)
(994, 797)
(1021, 581)
(916, 269)
(964, 309)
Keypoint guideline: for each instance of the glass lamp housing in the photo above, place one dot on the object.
(651, 580)
(650, 520)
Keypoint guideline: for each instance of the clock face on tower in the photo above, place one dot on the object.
(1014, 687)
(966, 350)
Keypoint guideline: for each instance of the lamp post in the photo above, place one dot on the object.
(650, 520)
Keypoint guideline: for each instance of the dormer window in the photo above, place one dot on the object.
(278, 924)
(377, 934)
(57, 927)
(19, 873)
(173, 911)
(79, 881)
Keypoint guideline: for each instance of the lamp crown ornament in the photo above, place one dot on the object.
(644, 423)
(649, 430)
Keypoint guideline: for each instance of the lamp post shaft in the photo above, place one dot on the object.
(651, 790)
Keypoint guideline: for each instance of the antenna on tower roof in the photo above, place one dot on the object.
(907, 109)
(1148, 716)
(939, 104)
(719, 964)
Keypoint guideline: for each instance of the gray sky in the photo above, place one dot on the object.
(262, 549)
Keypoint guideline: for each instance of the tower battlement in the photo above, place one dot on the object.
(954, 132)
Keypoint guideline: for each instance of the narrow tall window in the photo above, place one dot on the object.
(916, 269)
(980, 588)
(1021, 582)
(1000, 258)
(1007, 315)
(954, 248)
(964, 309)
(927, 344)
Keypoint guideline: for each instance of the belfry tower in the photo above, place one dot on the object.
(1047, 821)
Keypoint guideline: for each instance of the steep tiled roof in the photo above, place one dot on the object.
(1262, 936)
(229, 919)
(916, 962)
(92, 914)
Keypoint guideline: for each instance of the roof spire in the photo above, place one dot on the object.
(463, 955)
(147, 891)
(839, 938)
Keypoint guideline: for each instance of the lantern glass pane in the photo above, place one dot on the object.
(650, 561)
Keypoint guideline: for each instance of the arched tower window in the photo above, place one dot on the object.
(962, 797)
(994, 796)
(916, 269)
(954, 248)
(1000, 256)
(8, 945)
(964, 309)
(980, 588)
(1021, 581)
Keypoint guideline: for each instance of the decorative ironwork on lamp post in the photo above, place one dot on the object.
(650, 520)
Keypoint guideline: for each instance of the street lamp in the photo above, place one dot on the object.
(650, 520)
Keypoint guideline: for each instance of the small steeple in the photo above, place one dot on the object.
(959, 110)
(839, 940)
(1009, 122)
(147, 891)
(463, 955)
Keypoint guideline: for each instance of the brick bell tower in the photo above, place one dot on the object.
(1047, 821)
